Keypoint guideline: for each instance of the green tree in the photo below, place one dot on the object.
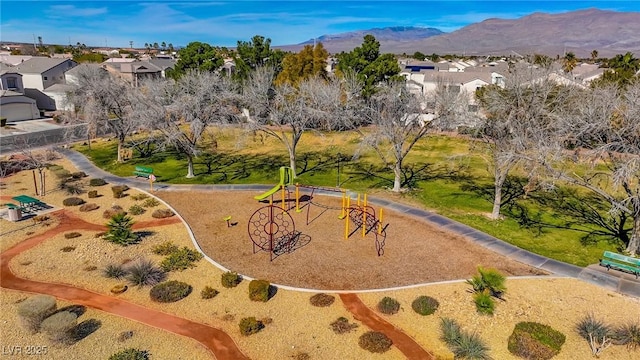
(371, 67)
(310, 61)
(594, 55)
(163, 46)
(197, 56)
(256, 53)
(120, 230)
(419, 56)
(623, 69)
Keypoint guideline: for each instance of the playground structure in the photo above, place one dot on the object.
(272, 228)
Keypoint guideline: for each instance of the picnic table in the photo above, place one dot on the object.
(27, 202)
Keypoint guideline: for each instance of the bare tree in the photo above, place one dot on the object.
(400, 119)
(183, 110)
(286, 112)
(606, 129)
(30, 155)
(105, 100)
(519, 119)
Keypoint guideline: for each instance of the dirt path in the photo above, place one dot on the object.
(217, 341)
(402, 341)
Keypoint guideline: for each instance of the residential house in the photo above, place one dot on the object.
(14, 105)
(135, 72)
(39, 74)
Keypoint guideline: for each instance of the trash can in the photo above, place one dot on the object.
(15, 214)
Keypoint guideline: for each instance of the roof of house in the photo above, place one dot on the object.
(457, 77)
(58, 88)
(9, 93)
(8, 69)
(38, 65)
(74, 70)
(163, 63)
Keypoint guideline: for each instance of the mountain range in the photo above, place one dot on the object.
(581, 32)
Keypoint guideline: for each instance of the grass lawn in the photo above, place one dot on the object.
(447, 175)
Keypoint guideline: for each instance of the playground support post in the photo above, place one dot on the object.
(298, 198)
(282, 187)
(380, 223)
(343, 212)
(346, 219)
(364, 215)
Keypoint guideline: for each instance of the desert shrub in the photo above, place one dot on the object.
(120, 230)
(97, 182)
(140, 196)
(78, 175)
(180, 260)
(484, 303)
(166, 248)
(259, 290)
(119, 289)
(230, 279)
(144, 272)
(170, 291)
(67, 248)
(322, 300)
(250, 325)
(450, 331)
(71, 188)
(136, 210)
(151, 202)
(115, 210)
(72, 201)
(464, 345)
(425, 305)
(342, 326)
(62, 173)
(118, 191)
(596, 332)
(489, 281)
(375, 342)
(125, 335)
(35, 309)
(209, 293)
(388, 306)
(470, 346)
(40, 218)
(535, 341)
(628, 334)
(59, 326)
(161, 213)
(130, 354)
(114, 271)
(92, 194)
(71, 235)
(88, 207)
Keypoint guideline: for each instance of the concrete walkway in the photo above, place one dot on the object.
(612, 280)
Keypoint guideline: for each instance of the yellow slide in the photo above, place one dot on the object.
(286, 178)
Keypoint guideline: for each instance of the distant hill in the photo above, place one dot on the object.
(346, 41)
(582, 31)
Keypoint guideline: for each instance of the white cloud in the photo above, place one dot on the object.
(71, 10)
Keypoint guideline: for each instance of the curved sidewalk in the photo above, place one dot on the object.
(612, 280)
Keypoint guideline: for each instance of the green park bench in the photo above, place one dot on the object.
(143, 171)
(611, 260)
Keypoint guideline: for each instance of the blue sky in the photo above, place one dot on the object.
(223, 23)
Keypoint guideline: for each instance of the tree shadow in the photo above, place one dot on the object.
(558, 208)
(412, 175)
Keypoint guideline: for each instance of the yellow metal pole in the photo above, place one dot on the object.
(380, 223)
(297, 197)
(282, 196)
(358, 199)
(346, 220)
(364, 215)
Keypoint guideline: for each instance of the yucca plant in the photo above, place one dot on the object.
(120, 230)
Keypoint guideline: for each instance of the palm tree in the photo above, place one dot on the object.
(594, 55)
(570, 62)
(163, 46)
